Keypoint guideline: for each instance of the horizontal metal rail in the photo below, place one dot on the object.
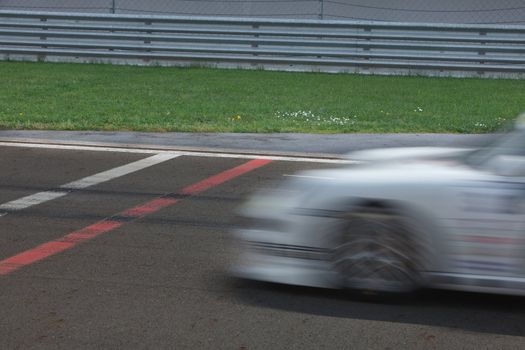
(274, 33)
(260, 22)
(261, 41)
(262, 51)
(269, 60)
(307, 43)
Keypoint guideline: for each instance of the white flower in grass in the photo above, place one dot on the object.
(315, 119)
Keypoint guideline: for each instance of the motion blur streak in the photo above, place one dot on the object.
(401, 219)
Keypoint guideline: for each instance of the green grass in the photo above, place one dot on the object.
(109, 97)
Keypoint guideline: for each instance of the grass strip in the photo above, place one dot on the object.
(62, 96)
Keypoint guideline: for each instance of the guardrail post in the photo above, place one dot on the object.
(43, 38)
(482, 53)
(366, 48)
(321, 9)
(147, 42)
(112, 9)
(254, 45)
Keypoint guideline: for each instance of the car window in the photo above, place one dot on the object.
(511, 144)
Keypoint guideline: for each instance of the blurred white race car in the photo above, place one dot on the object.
(399, 220)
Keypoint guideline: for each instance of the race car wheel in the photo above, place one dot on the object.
(375, 252)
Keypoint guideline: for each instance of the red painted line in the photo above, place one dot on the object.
(149, 207)
(87, 233)
(223, 177)
(91, 231)
(54, 247)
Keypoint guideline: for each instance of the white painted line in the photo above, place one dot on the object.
(104, 176)
(120, 171)
(31, 200)
(79, 148)
(182, 153)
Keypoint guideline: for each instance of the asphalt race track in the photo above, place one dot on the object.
(136, 257)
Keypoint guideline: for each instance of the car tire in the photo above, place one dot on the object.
(375, 253)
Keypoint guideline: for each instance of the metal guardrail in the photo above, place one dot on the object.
(311, 44)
